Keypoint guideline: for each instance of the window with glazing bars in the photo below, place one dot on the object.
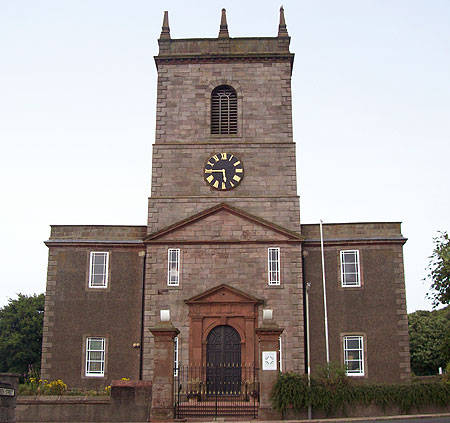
(95, 357)
(173, 271)
(274, 266)
(175, 356)
(224, 110)
(280, 361)
(98, 270)
(354, 355)
(350, 275)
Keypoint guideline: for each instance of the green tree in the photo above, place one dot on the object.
(21, 333)
(445, 347)
(428, 339)
(439, 270)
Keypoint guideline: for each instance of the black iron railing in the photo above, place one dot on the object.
(216, 390)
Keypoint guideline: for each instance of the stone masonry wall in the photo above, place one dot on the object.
(264, 142)
(97, 232)
(269, 170)
(243, 266)
(353, 230)
(376, 309)
(184, 96)
(211, 228)
(167, 211)
(74, 311)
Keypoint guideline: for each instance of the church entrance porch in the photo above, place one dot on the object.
(221, 378)
(222, 323)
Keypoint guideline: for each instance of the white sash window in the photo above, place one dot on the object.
(173, 270)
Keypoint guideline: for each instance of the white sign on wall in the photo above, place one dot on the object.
(269, 360)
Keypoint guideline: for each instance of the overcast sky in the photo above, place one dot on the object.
(371, 104)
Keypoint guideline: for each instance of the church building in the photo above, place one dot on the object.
(223, 244)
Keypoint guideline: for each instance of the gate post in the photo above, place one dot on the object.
(268, 335)
(8, 394)
(163, 363)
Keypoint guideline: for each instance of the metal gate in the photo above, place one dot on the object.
(206, 391)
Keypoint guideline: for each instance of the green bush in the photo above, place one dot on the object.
(336, 392)
(446, 377)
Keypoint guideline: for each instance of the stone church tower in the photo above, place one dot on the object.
(221, 102)
(223, 243)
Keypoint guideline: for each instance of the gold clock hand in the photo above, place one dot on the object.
(224, 176)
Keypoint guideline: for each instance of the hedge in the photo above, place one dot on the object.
(338, 392)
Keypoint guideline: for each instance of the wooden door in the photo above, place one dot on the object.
(223, 357)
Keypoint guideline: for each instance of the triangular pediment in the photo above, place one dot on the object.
(223, 294)
(223, 223)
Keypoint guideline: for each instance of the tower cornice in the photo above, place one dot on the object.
(183, 59)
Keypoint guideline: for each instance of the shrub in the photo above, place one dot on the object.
(446, 377)
(337, 392)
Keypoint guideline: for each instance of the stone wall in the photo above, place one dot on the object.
(96, 232)
(269, 170)
(130, 401)
(132, 404)
(73, 311)
(360, 230)
(230, 46)
(8, 383)
(242, 266)
(422, 413)
(264, 101)
(282, 211)
(376, 310)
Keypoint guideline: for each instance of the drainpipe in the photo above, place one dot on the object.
(144, 254)
(308, 354)
(306, 288)
(324, 296)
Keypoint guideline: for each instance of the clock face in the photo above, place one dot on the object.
(223, 171)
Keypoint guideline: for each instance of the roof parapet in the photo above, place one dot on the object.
(223, 47)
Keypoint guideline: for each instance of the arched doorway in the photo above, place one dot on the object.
(223, 358)
(223, 305)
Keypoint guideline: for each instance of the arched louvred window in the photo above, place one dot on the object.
(224, 110)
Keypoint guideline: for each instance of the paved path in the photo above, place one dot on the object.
(419, 418)
(411, 420)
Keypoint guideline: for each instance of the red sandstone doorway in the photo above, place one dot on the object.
(223, 358)
(223, 305)
(220, 376)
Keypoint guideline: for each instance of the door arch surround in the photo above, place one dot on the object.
(223, 305)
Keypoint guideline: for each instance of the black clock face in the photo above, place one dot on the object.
(223, 171)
